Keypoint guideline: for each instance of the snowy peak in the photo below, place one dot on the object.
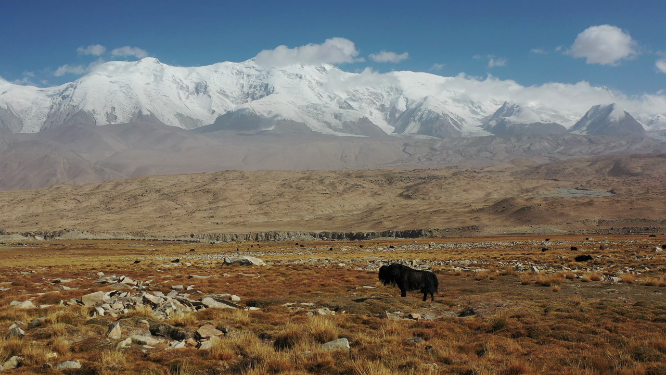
(608, 119)
(513, 119)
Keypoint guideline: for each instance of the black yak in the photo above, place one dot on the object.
(409, 279)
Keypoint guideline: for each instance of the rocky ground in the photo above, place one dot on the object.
(296, 307)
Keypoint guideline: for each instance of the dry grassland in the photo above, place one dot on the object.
(528, 311)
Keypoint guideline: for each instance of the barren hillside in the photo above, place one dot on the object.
(512, 197)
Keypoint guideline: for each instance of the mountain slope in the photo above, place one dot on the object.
(513, 119)
(608, 120)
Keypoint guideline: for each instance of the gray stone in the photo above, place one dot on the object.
(177, 287)
(235, 298)
(114, 331)
(16, 332)
(145, 340)
(393, 315)
(67, 365)
(13, 362)
(207, 331)
(416, 340)
(125, 343)
(153, 300)
(17, 323)
(214, 302)
(244, 261)
(99, 311)
(208, 344)
(107, 280)
(339, 344)
(93, 299)
(177, 345)
(25, 305)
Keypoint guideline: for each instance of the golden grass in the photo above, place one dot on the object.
(520, 326)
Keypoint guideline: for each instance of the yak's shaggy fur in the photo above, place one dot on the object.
(409, 279)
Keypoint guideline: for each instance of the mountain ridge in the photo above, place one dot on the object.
(323, 98)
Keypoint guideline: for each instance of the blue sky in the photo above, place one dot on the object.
(443, 37)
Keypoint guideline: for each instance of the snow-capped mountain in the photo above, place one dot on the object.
(248, 97)
(512, 119)
(608, 120)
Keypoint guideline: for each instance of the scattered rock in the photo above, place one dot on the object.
(93, 299)
(13, 362)
(416, 340)
(198, 277)
(125, 343)
(339, 344)
(167, 330)
(67, 365)
(177, 345)
(145, 340)
(16, 332)
(207, 331)
(657, 249)
(244, 261)
(393, 315)
(574, 248)
(25, 305)
(467, 311)
(414, 316)
(219, 303)
(235, 298)
(114, 331)
(37, 322)
(107, 280)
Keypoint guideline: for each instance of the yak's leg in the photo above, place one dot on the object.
(403, 292)
(425, 296)
(432, 295)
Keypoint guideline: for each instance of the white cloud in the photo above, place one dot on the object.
(77, 69)
(539, 51)
(493, 62)
(70, 69)
(604, 44)
(661, 65)
(436, 66)
(332, 51)
(130, 51)
(94, 49)
(388, 57)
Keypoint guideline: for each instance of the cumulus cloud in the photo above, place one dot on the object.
(70, 69)
(94, 49)
(332, 51)
(603, 44)
(500, 61)
(77, 69)
(661, 65)
(388, 57)
(436, 66)
(492, 60)
(129, 51)
(539, 51)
